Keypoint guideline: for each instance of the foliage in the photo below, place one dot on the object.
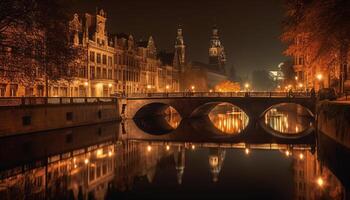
(34, 40)
(288, 72)
(318, 29)
(227, 86)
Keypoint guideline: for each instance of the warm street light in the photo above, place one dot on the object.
(149, 148)
(319, 77)
(192, 87)
(246, 86)
(110, 85)
(320, 181)
(247, 151)
(86, 83)
(210, 90)
(167, 147)
(296, 78)
(149, 86)
(167, 87)
(301, 156)
(300, 85)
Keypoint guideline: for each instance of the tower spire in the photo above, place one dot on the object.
(179, 57)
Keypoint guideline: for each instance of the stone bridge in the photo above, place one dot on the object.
(193, 105)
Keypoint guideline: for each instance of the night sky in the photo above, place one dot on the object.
(249, 29)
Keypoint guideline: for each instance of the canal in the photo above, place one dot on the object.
(169, 158)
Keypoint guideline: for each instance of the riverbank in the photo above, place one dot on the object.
(43, 114)
(333, 120)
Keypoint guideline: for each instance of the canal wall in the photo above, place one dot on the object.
(333, 120)
(35, 117)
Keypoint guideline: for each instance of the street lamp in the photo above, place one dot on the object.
(319, 77)
(110, 85)
(320, 80)
(192, 88)
(86, 83)
(246, 86)
(167, 88)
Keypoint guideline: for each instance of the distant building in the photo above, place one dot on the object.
(208, 75)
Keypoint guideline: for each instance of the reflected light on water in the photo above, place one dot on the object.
(288, 119)
(228, 119)
(172, 117)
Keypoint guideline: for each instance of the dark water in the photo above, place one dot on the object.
(110, 161)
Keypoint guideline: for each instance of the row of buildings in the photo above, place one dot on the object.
(117, 63)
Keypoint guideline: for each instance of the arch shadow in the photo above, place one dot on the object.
(152, 110)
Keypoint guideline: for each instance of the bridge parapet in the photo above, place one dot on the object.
(220, 94)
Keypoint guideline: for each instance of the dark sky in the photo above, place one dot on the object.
(249, 29)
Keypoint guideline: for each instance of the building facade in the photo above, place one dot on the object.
(108, 64)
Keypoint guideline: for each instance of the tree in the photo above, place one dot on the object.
(36, 41)
(320, 30)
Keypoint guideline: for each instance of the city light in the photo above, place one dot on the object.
(300, 85)
(210, 90)
(288, 153)
(99, 152)
(86, 83)
(110, 85)
(246, 85)
(301, 156)
(247, 151)
(296, 78)
(193, 147)
(167, 147)
(149, 148)
(149, 86)
(320, 182)
(86, 161)
(192, 87)
(167, 87)
(319, 77)
(110, 153)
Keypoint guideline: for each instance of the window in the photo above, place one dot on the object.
(81, 72)
(92, 72)
(99, 58)
(2, 90)
(105, 91)
(40, 90)
(98, 72)
(104, 73)
(109, 73)
(104, 59)
(13, 90)
(64, 91)
(55, 91)
(29, 91)
(110, 61)
(92, 56)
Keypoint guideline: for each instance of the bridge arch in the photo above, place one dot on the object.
(153, 109)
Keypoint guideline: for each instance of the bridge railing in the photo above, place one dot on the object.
(20, 101)
(219, 94)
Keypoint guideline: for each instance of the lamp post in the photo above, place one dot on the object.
(193, 88)
(319, 77)
(246, 87)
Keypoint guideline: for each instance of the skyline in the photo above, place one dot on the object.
(244, 29)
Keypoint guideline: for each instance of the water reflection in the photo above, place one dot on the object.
(288, 119)
(129, 168)
(172, 117)
(228, 119)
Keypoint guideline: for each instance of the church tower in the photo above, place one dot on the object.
(179, 57)
(217, 54)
